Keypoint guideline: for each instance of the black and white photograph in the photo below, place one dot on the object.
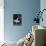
(17, 19)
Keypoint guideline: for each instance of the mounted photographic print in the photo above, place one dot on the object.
(17, 19)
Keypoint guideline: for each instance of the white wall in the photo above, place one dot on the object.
(43, 6)
(1, 20)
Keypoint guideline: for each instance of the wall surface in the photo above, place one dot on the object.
(25, 7)
(1, 20)
(43, 6)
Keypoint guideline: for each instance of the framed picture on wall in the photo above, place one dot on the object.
(17, 19)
